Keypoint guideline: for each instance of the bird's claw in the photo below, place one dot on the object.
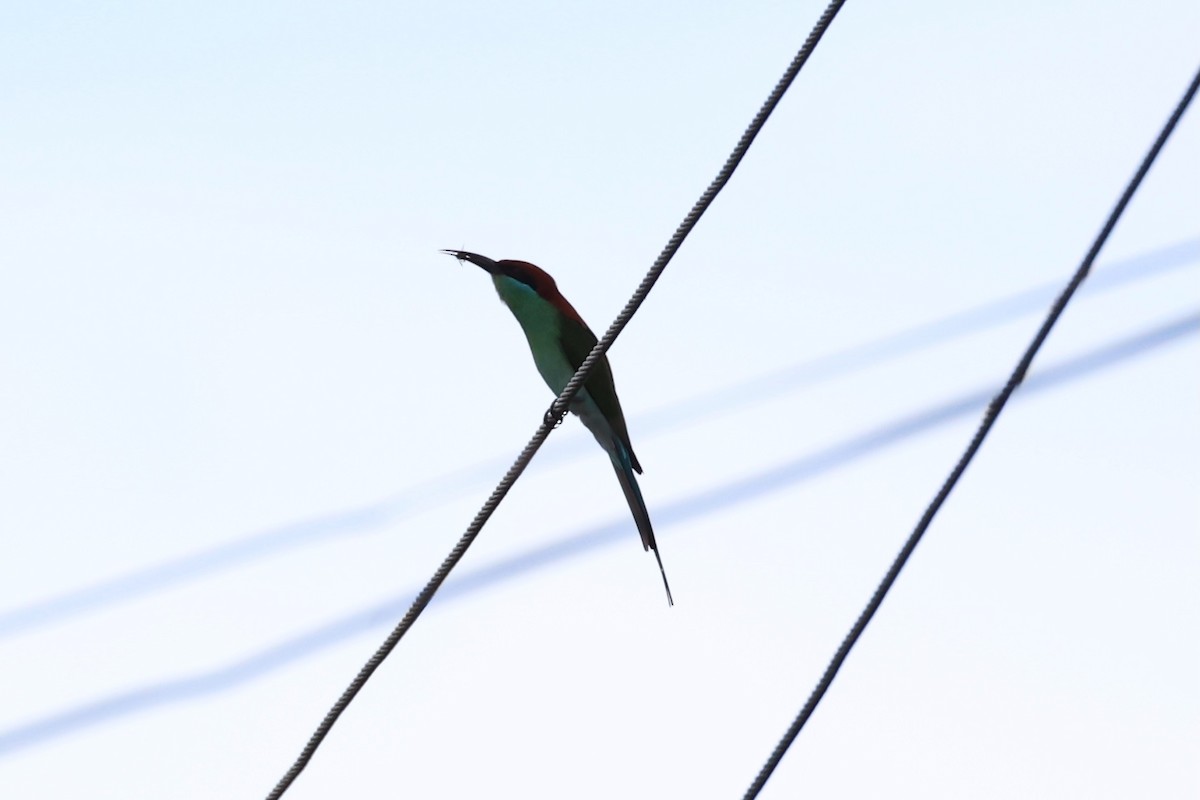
(552, 418)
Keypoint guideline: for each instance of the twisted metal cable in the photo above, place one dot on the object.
(989, 418)
(559, 407)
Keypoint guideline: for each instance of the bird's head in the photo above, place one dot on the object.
(522, 272)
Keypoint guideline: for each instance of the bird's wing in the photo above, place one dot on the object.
(577, 341)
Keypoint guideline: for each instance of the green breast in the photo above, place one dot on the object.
(541, 322)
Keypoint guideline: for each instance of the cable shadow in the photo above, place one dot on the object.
(764, 482)
(431, 493)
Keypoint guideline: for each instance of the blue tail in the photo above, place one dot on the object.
(623, 466)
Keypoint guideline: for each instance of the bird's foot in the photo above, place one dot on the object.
(554, 419)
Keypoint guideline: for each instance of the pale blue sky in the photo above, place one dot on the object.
(223, 314)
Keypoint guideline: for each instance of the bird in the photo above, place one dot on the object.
(560, 341)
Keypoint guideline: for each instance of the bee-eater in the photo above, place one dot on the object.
(560, 341)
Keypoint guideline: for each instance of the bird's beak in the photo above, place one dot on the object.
(482, 262)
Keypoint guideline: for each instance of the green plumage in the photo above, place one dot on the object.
(559, 345)
(560, 342)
